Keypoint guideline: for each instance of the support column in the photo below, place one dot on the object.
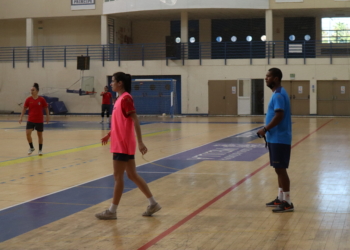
(184, 27)
(104, 29)
(29, 32)
(269, 25)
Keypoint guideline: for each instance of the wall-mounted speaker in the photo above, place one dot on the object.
(83, 62)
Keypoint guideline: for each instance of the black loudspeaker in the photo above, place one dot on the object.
(172, 49)
(83, 62)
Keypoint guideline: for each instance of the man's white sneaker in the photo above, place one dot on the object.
(30, 151)
(40, 153)
(152, 209)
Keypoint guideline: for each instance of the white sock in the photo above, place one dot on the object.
(286, 197)
(113, 208)
(280, 194)
(152, 201)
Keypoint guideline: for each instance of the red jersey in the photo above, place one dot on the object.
(122, 128)
(35, 106)
(106, 98)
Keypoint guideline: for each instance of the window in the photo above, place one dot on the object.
(336, 30)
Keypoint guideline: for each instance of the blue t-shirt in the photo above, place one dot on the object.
(282, 133)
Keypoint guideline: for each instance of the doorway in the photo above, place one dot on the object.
(299, 95)
(333, 98)
(222, 97)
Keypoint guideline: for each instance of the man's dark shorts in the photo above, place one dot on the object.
(279, 155)
(37, 126)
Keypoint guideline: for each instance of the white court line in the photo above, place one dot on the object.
(111, 174)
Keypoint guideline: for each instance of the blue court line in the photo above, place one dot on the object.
(31, 215)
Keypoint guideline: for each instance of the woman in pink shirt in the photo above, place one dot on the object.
(124, 123)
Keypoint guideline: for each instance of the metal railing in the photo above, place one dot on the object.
(185, 51)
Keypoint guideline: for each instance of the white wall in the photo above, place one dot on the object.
(67, 31)
(123, 31)
(122, 6)
(54, 31)
(142, 33)
(13, 33)
(194, 79)
(12, 9)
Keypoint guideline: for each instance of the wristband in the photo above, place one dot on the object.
(265, 130)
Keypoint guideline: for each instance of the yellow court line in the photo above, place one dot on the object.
(68, 151)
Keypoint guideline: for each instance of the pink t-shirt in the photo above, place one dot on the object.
(122, 126)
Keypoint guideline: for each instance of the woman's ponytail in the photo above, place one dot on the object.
(36, 86)
(125, 78)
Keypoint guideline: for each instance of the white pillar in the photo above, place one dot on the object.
(104, 29)
(269, 25)
(29, 32)
(184, 27)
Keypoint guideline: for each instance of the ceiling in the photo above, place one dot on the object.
(196, 14)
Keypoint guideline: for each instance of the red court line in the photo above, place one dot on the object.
(190, 216)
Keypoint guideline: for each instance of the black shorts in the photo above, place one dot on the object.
(279, 155)
(106, 108)
(122, 157)
(37, 126)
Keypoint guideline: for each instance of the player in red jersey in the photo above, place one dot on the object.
(106, 103)
(35, 105)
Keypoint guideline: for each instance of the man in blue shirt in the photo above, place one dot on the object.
(278, 132)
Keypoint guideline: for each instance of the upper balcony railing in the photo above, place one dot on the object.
(184, 51)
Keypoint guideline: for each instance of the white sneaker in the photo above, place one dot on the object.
(40, 153)
(31, 150)
(152, 209)
(106, 215)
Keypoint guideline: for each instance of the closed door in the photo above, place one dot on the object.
(299, 95)
(300, 98)
(222, 97)
(325, 97)
(333, 98)
(217, 103)
(341, 103)
(231, 97)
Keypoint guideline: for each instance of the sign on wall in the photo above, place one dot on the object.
(300, 89)
(342, 90)
(233, 90)
(82, 4)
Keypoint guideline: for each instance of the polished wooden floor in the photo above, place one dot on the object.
(208, 205)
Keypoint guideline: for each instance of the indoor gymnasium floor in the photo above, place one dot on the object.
(211, 175)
